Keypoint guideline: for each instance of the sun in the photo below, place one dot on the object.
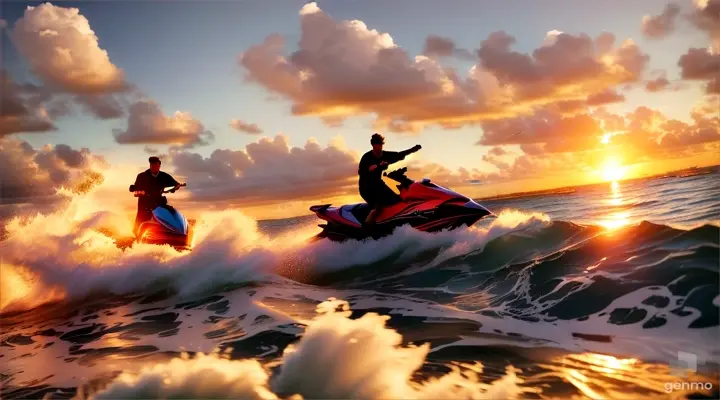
(613, 173)
(612, 170)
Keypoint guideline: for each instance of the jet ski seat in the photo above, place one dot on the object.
(360, 211)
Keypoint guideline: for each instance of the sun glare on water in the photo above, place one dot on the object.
(615, 220)
(619, 218)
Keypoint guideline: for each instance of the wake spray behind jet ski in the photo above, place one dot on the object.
(167, 225)
(424, 205)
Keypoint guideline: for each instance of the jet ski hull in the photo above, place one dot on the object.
(426, 222)
(153, 233)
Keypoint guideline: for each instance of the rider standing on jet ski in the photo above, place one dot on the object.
(372, 188)
(151, 183)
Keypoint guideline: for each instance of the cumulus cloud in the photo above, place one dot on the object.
(103, 106)
(496, 160)
(565, 62)
(63, 50)
(269, 170)
(702, 65)
(607, 96)
(557, 132)
(26, 171)
(148, 125)
(241, 126)
(64, 54)
(497, 151)
(658, 84)
(21, 108)
(651, 135)
(706, 17)
(402, 127)
(648, 133)
(681, 134)
(547, 137)
(438, 46)
(658, 26)
(345, 68)
(707, 107)
(567, 67)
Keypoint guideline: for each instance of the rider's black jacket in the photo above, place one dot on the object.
(153, 187)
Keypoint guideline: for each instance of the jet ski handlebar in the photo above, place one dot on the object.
(173, 188)
(138, 193)
(398, 172)
(398, 176)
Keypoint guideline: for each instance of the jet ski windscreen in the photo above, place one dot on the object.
(171, 219)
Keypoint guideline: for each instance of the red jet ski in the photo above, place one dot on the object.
(424, 205)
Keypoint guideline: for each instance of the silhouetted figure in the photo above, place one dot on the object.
(149, 186)
(372, 188)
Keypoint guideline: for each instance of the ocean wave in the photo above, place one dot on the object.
(71, 253)
(546, 301)
(64, 254)
(329, 361)
(340, 354)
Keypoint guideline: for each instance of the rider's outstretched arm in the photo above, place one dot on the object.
(393, 156)
(402, 154)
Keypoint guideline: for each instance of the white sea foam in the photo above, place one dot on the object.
(337, 357)
(65, 253)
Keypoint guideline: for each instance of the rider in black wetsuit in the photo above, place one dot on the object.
(151, 182)
(372, 188)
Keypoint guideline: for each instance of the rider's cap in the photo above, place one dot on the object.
(377, 139)
(154, 160)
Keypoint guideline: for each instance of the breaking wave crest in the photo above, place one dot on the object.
(73, 252)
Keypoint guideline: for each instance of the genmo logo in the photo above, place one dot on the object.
(682, 367)
(687, 386)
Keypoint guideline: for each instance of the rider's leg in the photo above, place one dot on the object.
(371, 216)
(143, 214)
(383, 196)
(369, 197)
(138, 221)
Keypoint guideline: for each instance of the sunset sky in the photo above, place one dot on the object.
(259, 102)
